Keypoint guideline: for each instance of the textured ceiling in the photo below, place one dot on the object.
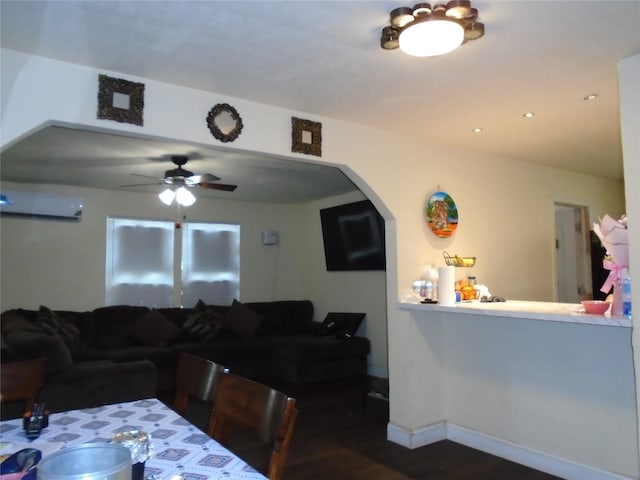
(324, 58)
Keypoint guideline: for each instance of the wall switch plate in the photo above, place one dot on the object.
(270, 237)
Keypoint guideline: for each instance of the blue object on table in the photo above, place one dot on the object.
(23, 460)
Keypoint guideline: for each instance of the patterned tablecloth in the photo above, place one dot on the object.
(178, 448)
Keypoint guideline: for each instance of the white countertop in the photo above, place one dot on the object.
(554, 312)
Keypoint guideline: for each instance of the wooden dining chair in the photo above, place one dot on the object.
(196, 377)
(21, 381)
(266, 413)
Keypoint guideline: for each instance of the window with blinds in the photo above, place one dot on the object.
(152, 263)
(210, 263)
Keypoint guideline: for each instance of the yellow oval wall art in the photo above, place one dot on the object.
(442, 214)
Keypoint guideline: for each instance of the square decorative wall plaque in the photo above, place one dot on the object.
(120, 100)
(306, 136)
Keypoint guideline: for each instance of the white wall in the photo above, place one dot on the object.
(506, 220)
(357, 291)
(629, 78)
(62, 264)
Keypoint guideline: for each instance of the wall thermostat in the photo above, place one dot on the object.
(270, 237)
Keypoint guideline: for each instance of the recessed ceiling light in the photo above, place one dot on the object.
(591, 96)
(477, 130)
(528, 115)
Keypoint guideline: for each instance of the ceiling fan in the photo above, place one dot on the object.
(180, 177)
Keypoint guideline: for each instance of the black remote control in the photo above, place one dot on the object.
(35, 424)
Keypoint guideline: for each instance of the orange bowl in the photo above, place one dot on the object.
(595, 307)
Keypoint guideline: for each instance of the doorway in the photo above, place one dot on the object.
(573, 254)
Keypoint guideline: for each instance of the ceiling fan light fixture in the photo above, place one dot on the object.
(167, 196)
(184, 197)
(430, 38)
(177, 181)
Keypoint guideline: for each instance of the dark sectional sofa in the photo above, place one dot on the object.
(121, 353)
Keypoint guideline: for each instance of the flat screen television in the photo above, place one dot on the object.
(353, 236)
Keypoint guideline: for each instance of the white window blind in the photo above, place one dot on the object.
(139, 262)
(140, 267)
(210, 263)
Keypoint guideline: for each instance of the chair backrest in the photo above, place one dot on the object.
(267, 413)
(196, 377)
(21, 380)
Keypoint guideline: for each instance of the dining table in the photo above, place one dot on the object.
(178, 449)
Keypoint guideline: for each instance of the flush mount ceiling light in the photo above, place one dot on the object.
(423, 31)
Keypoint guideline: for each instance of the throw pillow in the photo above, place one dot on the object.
(52, 324)
(203, 324)
(216, 323)
(241, 320)
(19, 319)
(199, 307)
(6, 354)
(154, 330)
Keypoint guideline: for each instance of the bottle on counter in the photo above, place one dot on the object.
(626, 293)
(430, 279)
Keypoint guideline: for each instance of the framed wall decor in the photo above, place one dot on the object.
(442, 214)
(306, 136)
(224, 122)
(120, 100)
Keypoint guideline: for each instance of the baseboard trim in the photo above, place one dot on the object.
(499, 447)
(417, 438)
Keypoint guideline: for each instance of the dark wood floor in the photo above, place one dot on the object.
(339, 438)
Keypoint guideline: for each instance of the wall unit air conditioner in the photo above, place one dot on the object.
(41, 205)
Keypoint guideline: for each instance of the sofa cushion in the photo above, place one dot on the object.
(285, 317)
(112, 322)
(26, 345)
(226, 348)
(153, 330)
(159, 356)
(304, 348)
(242, 320)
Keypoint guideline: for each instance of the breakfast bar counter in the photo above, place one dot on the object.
(555, 312)
(543, 384)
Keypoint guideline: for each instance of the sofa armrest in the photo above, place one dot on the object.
(91, 384)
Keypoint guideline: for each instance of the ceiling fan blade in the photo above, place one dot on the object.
(145, 176)
(218, 186)
(207, 177)
(141, 184)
